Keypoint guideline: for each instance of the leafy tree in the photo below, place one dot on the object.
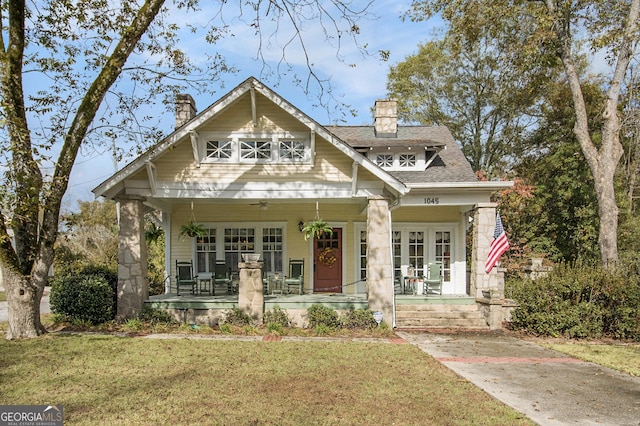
(94, 63)
(562, 27)
(476, 89)
(561, 219)
(89, 237)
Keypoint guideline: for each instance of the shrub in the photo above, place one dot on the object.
(236, 317)
(359, 319)
(157, 316)
(83, 298)
(109, 276)
(320, 315)
(277, 316)
(580, 301)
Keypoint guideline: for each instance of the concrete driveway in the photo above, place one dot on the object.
(548, 387)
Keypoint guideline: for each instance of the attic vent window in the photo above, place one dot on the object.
(407, 160)
(219, 149)
(293, 150)
(384, 160)
(255, 150)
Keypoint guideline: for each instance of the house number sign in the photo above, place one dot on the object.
(432, 200)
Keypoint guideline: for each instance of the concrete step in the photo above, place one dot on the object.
(440, 316)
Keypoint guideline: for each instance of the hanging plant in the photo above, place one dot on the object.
(191, 228)
(316, 228)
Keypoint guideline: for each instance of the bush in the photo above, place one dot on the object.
(109, 276)
(277, 317)
(83, 298)
(319, 315)
(236, 317)
(580, 301)
(359, 319)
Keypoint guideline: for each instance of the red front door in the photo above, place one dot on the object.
(327, 262)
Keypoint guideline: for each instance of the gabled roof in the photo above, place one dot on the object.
(243, 88)
(450, 165)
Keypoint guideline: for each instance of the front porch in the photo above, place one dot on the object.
(411, 311)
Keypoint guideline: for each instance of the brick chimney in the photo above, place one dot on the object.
(386, 118)
(185, 109)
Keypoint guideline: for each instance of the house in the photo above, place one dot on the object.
(252, 169)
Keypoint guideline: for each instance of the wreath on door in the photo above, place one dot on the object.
(327, 257)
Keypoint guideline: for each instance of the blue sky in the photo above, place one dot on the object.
(359, 85)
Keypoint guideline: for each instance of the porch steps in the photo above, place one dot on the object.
(434, 316)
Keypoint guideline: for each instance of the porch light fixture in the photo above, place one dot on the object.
(300, 226)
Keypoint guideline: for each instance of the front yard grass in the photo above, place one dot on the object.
(621, 357)
(105, 379)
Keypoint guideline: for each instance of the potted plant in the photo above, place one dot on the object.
(316, 228)
(192, 229)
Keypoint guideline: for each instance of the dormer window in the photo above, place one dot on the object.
(398, 159)
(407, 160)
(384, 160)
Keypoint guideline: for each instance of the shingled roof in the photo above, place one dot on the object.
(450, 165)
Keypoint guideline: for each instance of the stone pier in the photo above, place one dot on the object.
(379, 268)
(250, 291)
(133, 288)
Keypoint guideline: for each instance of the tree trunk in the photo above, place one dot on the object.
(608, 212)
(23, 297)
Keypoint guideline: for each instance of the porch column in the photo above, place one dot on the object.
(484, 222)
(379, 268)
(488, 289)
(133, 288)
(250, 290)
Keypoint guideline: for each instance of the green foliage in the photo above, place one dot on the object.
(320, 315)
(236, 317)
(88, 237)
(276, 317)
(561, 218)
(156, 273)
(157, 316)
(84, 298)
(316, 228)
(192, 229)
(582, 300)
(359, 319)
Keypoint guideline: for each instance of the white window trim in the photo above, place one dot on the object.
(429, 231)
(220, 227)
(274, 138)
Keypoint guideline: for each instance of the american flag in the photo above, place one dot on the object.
(498, 246)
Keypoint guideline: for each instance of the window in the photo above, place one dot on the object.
(407, 160)
(384, 160)
(206, 251)
(397, 257)
(272, 246)
(219, 150)
(237, 241)
(293, 150)
(255, 150)
(416, 251)
(443, 252)
(363, 255)
(247, 147)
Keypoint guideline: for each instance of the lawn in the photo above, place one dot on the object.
(621, 357)
(105, 379)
